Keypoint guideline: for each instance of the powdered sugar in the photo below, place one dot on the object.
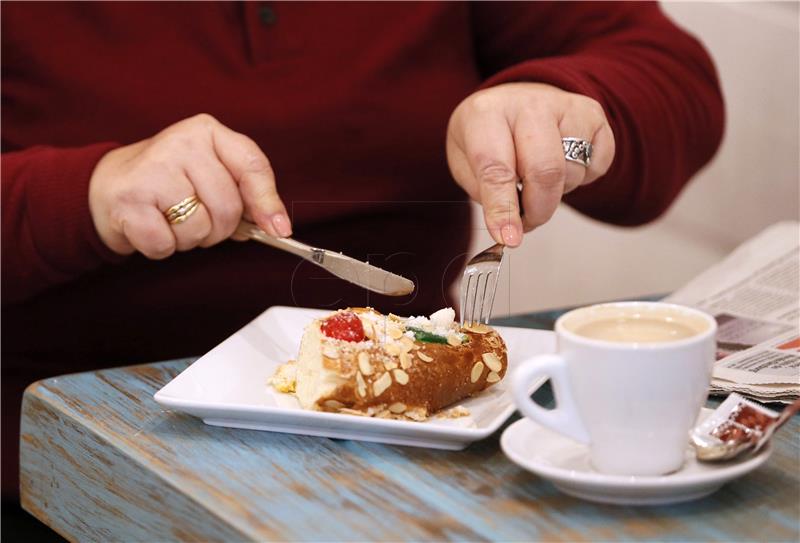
(440, 323)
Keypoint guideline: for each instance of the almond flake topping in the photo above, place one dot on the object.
(369, 330)
(492, 377)
(392, 349)
(418, 414)
(397, 407)
(424, 357)
(454, 413)
(477, 371)
(406, 344)
(405, 360)
(356, 412)
(363, 363)
(400, 376)
(492, 362)
(362, 386)
(381, 384)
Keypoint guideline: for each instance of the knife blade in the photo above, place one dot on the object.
(355, 271)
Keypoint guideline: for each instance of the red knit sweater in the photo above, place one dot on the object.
(350, 102)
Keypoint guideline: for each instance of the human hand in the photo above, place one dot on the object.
(131, 188)
(509, 133)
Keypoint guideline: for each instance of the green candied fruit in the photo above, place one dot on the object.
(427, 337)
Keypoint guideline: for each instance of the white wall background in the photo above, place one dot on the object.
(752, 183)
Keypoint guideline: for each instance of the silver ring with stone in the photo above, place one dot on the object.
(577, 150)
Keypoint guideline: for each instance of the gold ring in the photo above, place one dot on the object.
(182, 210)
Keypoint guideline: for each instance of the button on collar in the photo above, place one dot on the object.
(266, 15)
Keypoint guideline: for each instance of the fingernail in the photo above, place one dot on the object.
(282, 225)
(511, 235)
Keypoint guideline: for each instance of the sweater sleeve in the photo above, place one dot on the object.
(656, 83)
(48, 235)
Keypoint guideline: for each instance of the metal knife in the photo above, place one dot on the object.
(360, 273)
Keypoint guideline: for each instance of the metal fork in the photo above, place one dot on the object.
(479, 284)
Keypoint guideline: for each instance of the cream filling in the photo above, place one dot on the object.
(314, 381)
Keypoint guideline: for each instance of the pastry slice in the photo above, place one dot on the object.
(359, 361)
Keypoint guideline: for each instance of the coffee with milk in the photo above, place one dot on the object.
(636, 325)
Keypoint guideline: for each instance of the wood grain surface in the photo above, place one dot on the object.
(101, 461)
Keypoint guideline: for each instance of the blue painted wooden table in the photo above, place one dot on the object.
(101, 461)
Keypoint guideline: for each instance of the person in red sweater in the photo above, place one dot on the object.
(343, 124)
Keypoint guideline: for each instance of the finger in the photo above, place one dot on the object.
(191, 232)
(540, 160)
(146, 228)
(489, 148)
(197, 226)
(220, 196)
(461, 170)
(603, 150)
(251, 169)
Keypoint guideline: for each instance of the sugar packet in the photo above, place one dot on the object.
(736, 426)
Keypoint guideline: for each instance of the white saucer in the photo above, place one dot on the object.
(565, 463)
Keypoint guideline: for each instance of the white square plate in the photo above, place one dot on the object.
(229, 387)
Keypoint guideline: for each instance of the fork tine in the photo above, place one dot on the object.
(472, 298)
(465, 297)
(491, 301)
(482, 296)
(473, 295)
(485, 303)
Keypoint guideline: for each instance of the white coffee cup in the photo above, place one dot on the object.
(629, 380)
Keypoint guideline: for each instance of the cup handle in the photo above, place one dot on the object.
(564, 418)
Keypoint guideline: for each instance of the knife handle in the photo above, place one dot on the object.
(253, 232)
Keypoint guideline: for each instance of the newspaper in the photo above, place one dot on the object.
(754, 294)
